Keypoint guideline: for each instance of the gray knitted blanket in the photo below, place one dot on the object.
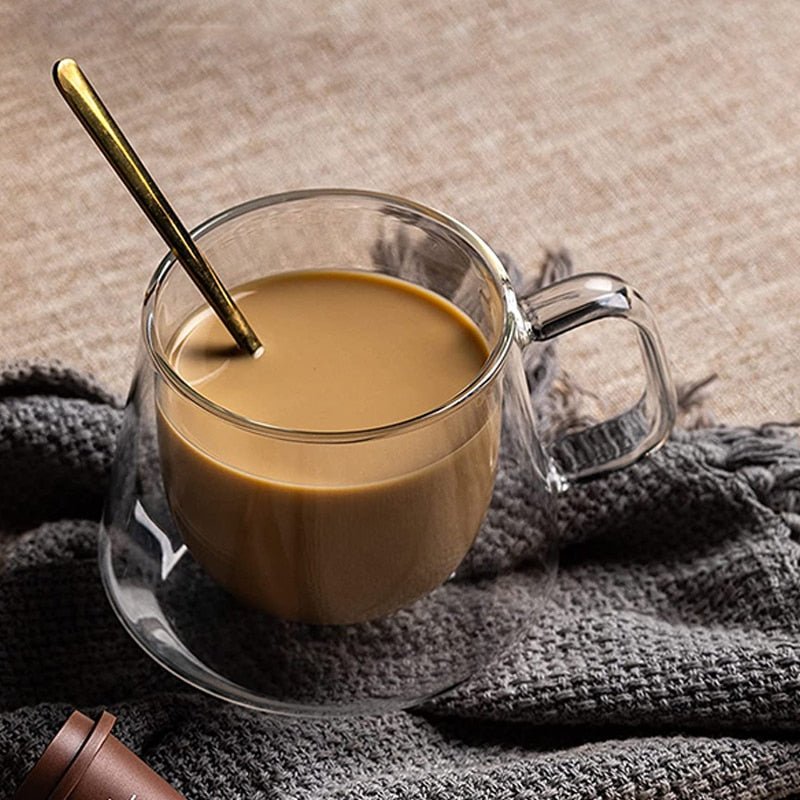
(666, 663)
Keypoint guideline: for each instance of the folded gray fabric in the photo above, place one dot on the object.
(665, 664)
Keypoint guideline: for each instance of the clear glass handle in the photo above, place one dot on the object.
(617, 442)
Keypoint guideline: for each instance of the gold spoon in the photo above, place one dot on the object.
(89, 109)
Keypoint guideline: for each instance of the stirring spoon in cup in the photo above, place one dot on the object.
(100, 125)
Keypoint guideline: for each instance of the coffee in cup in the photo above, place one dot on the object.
(294, 481)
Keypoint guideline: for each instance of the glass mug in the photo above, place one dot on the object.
(320, 588)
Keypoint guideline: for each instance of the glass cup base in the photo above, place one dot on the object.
(199, 632)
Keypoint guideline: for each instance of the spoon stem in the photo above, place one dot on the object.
(100, 125)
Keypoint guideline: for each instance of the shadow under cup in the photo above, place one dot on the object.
(329, 572)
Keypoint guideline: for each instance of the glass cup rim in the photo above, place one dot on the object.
(493, 268)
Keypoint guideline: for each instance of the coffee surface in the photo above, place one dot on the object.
(331, 531)
(344, 350)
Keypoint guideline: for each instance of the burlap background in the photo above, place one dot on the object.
(657, 140)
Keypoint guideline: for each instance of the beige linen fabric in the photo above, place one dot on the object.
(655, 140)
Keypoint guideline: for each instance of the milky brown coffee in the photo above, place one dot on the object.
(310, 526)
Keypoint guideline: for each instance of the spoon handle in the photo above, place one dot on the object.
(100, 125)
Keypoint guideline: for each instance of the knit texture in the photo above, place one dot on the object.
(665, 663)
